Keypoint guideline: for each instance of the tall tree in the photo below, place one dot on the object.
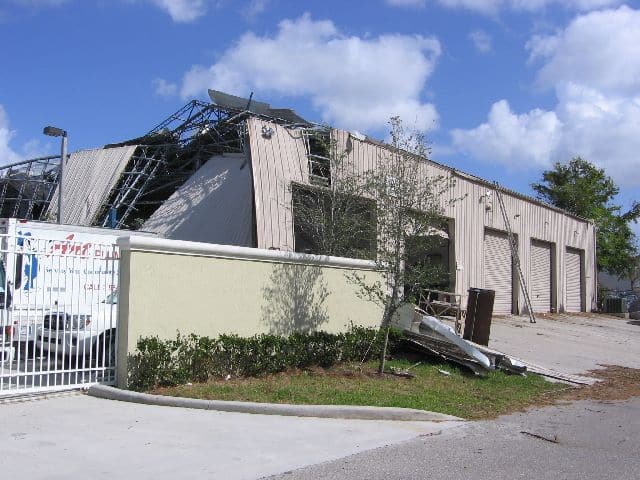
(585, 190)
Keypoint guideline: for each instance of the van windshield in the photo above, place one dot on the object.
(112, 298)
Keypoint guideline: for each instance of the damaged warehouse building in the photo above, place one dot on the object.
(227, 172)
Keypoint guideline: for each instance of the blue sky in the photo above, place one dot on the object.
(502, 88)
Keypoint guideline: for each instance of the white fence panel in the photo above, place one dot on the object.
(58, 313)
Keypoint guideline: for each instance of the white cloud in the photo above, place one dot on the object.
(163, 88)
(407, 3)
(35, 148)
(255, 8)
(182, 10)
(39, 3)
(355, 82)
(581, 5)
(532, 137)
(493, 7)
(487, 7)
(481, 40)
(598, 49)
(7, 154)
(594, 68)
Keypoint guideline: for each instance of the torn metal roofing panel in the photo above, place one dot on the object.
(227, 100)
(214, 205)
(232, 102)
(89, 176)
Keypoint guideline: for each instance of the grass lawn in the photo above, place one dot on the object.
(460, 393)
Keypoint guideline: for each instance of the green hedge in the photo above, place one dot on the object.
(196, 359)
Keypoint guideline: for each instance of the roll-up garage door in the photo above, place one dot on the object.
(540, 276)
(573, 280)
(497, 270)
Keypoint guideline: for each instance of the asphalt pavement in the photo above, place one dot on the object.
(582, 441)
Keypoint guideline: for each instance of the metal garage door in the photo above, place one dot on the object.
(540, 276)
(573, 281)
(497, 270)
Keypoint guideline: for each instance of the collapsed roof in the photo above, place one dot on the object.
(121, 185)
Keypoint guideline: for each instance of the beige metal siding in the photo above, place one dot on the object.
(573, 281)
(470, 203)
(541, 283)
(276, 161)
(498, 274)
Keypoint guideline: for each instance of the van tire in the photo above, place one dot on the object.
(106, 347)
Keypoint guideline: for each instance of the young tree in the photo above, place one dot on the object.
(585, 190)
(389, 215)
(409, 217)
(333, 217)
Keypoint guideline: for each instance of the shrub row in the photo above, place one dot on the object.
(193, 358)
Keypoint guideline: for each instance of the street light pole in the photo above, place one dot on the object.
(63, 160)
(58, 132)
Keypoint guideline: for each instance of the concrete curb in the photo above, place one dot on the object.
(320, 411)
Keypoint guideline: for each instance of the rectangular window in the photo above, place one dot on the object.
(318, 145)
(326, 223)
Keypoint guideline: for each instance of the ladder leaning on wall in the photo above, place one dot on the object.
(514, 252)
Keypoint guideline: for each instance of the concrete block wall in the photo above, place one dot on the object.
(168, 286)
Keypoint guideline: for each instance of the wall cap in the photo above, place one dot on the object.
(181, 247)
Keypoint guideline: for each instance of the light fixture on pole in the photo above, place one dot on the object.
(58, 132)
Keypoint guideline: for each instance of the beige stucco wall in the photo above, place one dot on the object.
(169, 286)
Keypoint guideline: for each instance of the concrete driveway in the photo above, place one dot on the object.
(569, 343)
(77, 436)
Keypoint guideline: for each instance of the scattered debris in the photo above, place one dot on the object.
(429, 335)
(444, 372)
(403, 373)
(414, 365)
(541, 437)
(400, 373)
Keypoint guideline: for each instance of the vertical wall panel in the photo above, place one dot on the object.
(276, 161)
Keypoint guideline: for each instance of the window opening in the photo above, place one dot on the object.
(318, 144)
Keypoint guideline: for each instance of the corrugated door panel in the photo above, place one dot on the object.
(497, 270)
(540, 276)
(573, 281)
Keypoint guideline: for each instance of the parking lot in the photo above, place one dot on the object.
(573, 343)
